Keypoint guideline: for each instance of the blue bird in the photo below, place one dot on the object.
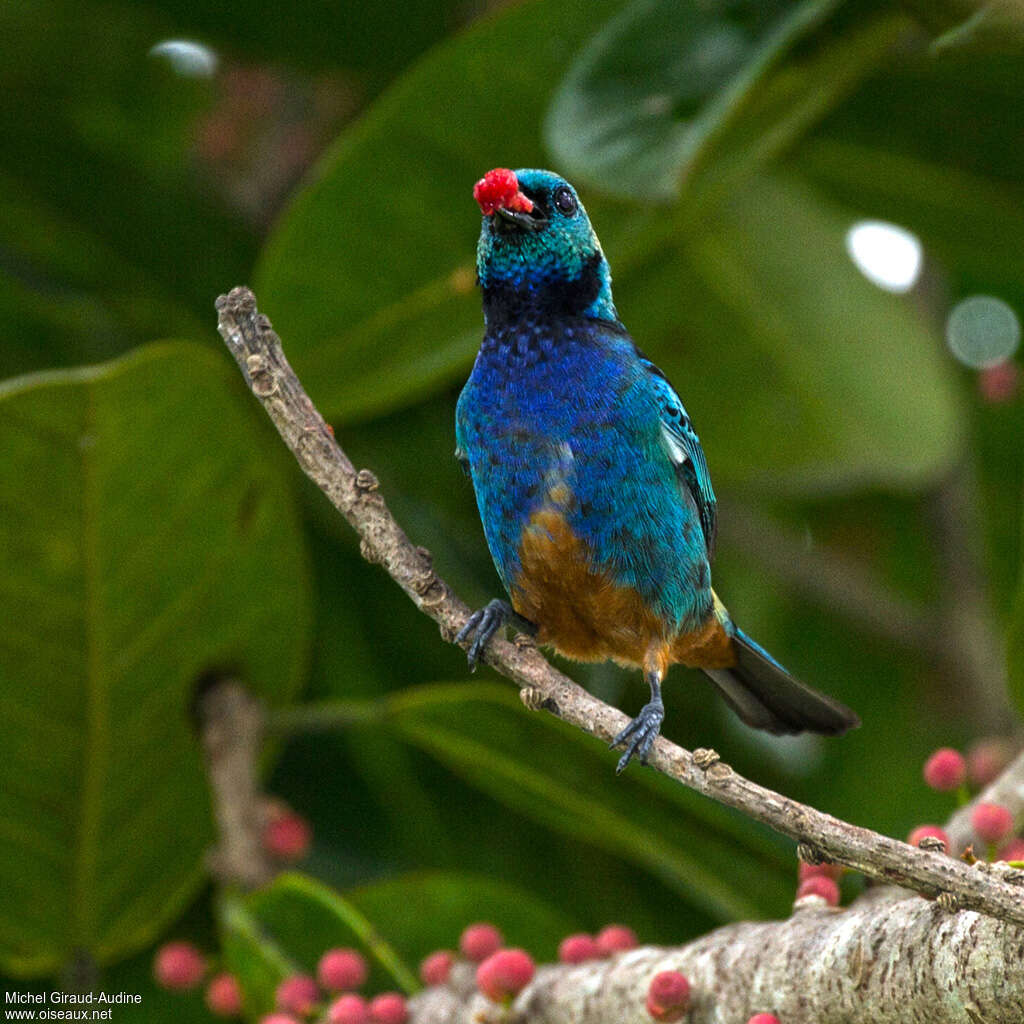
(592, 486)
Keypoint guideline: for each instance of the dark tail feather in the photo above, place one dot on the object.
(767, 697)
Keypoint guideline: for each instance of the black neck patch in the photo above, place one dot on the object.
(505, 301)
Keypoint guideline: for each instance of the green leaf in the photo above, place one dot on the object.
(369, 274)
(694, 847)
(148, 539)
(668, 95)
(427, 910)
(284, 929)
(67, 297)
(971, 223)
(856, 389)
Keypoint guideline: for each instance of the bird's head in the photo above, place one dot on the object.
(537, 251)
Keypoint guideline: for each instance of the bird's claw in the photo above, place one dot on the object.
(484, 623)
(640, 734)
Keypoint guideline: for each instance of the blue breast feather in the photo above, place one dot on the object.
(574, 403)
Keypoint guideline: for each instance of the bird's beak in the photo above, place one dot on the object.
(531, 221)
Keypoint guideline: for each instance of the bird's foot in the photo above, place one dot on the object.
(482, 625)
(640, 734)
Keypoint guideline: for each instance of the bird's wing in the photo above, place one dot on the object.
(684, 450)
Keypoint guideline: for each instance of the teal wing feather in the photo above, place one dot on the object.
(683, 447)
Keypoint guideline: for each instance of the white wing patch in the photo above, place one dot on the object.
(674, 447)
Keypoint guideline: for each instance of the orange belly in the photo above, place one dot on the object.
(586, 616)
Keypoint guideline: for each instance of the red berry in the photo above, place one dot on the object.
(287, 836)
(504, 974)
(435, 968)
(668, 996)
(1013, 850)
(764, 1018)
(805, 871)
(576, 949)
(999, 383)
(614, 938)
(521, 203)
(389, 1008)
(819, 885)
(349, 1009)
(987, 759)
(500, 187)
(479, 941)
(945, 769)
(178, 966)
(341, 970)
(297, 994)
(992, 822)
(224, 996)
(928, 831)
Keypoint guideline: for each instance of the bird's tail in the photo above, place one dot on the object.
(767, 697)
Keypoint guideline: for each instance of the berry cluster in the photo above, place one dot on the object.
(502, 973)
(180, 967)
(948, 770)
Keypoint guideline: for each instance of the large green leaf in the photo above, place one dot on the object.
(667, 93)
(369, 274)
(428, 910)
(689, 844)
(148, 538)
(798, 372)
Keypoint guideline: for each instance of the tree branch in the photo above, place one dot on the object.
(257, 350)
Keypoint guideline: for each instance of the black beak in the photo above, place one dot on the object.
(506, 219)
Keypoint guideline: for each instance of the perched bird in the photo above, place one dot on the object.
(591, 482)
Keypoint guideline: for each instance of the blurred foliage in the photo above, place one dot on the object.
(155, 530)
(138, 562)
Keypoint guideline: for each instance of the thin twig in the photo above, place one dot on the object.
(257, 349)
(231, 724)
(971, 648)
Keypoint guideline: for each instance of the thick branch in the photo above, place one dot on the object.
(257, 349)
(886, 958)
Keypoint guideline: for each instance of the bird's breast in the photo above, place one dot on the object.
(578, 608)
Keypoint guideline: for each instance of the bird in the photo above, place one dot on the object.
(592, 487)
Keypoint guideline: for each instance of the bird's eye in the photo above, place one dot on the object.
(564, 200)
